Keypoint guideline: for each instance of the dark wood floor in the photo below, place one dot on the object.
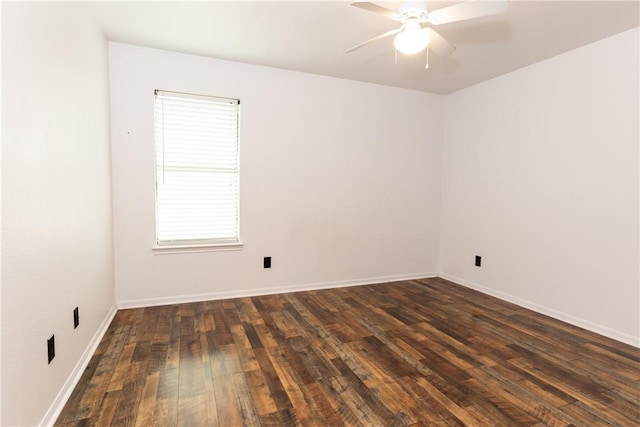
(421, 353)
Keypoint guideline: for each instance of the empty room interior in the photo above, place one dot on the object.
(277, 213)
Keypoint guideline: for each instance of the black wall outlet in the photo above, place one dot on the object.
(76, 317)
(478, 261)
(51, 348)
(267, 262)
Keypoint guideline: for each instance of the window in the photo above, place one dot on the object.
(197, 169)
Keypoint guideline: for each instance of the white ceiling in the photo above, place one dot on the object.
(311, 36)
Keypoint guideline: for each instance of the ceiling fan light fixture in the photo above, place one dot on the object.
(412, 39)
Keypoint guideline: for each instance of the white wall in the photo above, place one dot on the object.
(540, 178)
(340, 180)
(57, 250)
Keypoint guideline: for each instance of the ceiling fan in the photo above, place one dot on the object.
(412, 37)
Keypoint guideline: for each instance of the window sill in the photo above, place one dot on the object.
(209, 247)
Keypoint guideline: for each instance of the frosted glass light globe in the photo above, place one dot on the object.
(412, 40)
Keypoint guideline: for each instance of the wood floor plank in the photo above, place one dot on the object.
(281, 325)
(352, 400)
(229, 414)
(432, 412)
(173, 346)
(210, 417)
(94, 394)
(165, 413)
(108, 408)
(585, 415)
(385, 385)
(262, 398)
(274, 383)
(122, 367)
(511, 374)
(224, 359)
(167, 397)
(266, 338)
(584, 392)
(247, 408)
(146, 413)
(627, 403)
(419, 352)
(498, 407)
(75, 409)
(387, 412)
(326, 410)
(293, 387)
(246, 356)
(127, 409)
(609, 375)
(313, 360)
(453, 407)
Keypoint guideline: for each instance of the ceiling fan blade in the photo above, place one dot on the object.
(376, 38)
(439, 44)
(467, 10)
(378, 9)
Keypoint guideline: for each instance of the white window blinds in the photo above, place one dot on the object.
(197, 169)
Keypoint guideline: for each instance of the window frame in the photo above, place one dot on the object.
(205, 244)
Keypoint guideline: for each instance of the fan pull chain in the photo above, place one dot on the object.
(427, 64)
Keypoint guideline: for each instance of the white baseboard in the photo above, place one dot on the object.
(576, 321)
(56, 407)
(179, 299)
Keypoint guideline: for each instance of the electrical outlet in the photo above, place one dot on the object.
(51, 348)
(478, 261)
(76, 318)
(267, 262)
